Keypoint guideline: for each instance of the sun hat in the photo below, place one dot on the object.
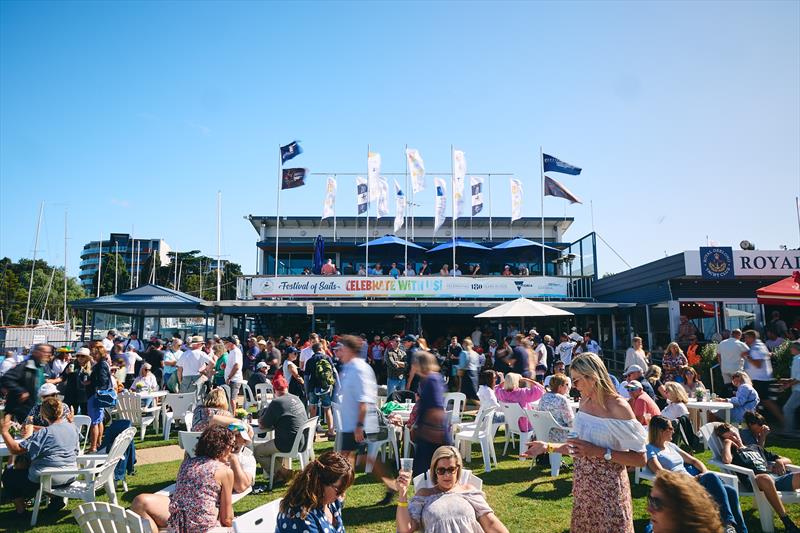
(239, 428)
(632, 369)
(47, 389)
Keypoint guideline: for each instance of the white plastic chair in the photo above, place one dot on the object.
(82, 423)
(543, 422)
(458, 399)
(423, 481)
(129, 407)
(262, 518)
(337, 423)
(373, 448)
(94, 478)
(177, 408)
(513, 412)
(188, 440)
(644, 473)
(765, 510)
(262, 390)
(481, 433)
(102, 517)
(299, 449)
(249, 396)
(228, 393)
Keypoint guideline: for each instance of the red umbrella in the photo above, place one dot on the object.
(783, 292)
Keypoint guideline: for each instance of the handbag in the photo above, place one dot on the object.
(106, 398)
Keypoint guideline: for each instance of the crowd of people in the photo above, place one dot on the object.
(422, 268)
(622, 423)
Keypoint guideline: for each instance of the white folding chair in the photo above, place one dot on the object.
(102, 517)
(513, 413)
(177, 408)
(188, 441)
(423, 480)
(337, 423)
(373, 448)
(543, 422)
(129, 407)
(481, 433)
(302, 441)
(457, 399)
(82, 423)
(262, 518)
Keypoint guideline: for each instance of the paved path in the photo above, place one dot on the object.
(161, 454)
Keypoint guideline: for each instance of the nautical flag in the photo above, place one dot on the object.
(329, 207)
(553, 164)
(383, 198)
(516, 199)
(441, 203)
(416, 167)
(362, 195)
(293, 177)
(459, 173)
(400, 208)
(477, 194)
(291, 150)
(373, 175)
(554, 188)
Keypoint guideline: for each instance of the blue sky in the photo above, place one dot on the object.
(684, 115)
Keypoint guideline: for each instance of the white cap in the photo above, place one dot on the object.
(47, 389)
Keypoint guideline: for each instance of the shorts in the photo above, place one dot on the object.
(349, 443)
(764, 390)
(784, 483)
(319, 397)
(94, 411)
(235, 388)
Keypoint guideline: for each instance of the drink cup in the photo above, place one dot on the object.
(408, 403)
(407, 464)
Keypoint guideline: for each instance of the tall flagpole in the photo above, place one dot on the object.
(99, 264)
(219, 248)
(405, 215)
(541, 177)
(369, 206)
(453, 201)
(489, 186)
(132, 245)
(116, 267)
(66, 320)
(335, 192)
(33, 263)
(278, 209)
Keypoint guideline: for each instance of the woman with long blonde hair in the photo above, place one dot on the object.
(672, 362)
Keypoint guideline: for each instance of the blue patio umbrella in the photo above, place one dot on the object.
(459, 244)
(392, 240)
(319, 254)
(519, 242)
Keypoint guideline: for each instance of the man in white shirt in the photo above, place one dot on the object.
(564, 350)
(730, 354)
(108, 342)
(133, 340)
(541, 351)
(191, 363)
(12, 359)
(306, 353)
(233, 370)
(574, 336)
(758, 365)
(476, 337)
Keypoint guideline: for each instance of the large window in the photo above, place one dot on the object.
(659, 328)
(741, 316)
(704, 317)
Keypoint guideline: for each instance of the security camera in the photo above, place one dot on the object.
(747, 245)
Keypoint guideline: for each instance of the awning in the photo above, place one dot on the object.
(783, 292)
(522, 307)
(147, 300)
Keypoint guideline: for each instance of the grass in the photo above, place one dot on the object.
(525, 500)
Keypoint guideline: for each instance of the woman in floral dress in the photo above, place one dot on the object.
(609, 440)
(672, 362)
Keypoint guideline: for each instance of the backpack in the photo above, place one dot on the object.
(323, 373)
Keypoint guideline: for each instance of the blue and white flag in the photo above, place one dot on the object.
(554, 188)
(400, 208)
(329, 206)
(416, 168)
(362, 191)
(293, 177)
(553, 164)
(441, 203)
(290, 151)
(477, 194)
(516, 199)
(383, 198)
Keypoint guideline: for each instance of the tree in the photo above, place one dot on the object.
(113, 270)
(47, 296)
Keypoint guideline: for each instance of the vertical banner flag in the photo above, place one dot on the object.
(553, 164)
(293, 177)
(373, 175)
(477, 194)
(416, 168)
(459, 173)
(329, 207)
(516, 199)
(291, 150)
(400, 208)
(441, 203)
(362, 195)
(383, 197)
(554, 188)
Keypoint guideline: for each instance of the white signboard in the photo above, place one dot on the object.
(751, 262)
(409, 287)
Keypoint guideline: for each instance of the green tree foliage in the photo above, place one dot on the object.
(195, 271)
(47, 296)
(113, 270)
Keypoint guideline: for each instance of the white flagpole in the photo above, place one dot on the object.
(99, 264)
(66, 319)
(405, 214)
(335, 192)
(219, 248)
(116, 266)
(278, 208)
(132, 245)
(33, 263)
(369, 205)
(453, 207)
(138, 261)
(489, 187)
(541, 177)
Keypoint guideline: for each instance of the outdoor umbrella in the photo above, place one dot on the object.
(523, 307)
(319, 254)
(393, 242)
(783, 292)
(459, 244)
(519, 242)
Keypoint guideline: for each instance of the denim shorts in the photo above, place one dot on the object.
(319, 397)
(784, 483)
(94, 411)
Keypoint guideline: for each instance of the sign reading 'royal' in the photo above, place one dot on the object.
(719, 262)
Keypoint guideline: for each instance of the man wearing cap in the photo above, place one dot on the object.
(233, 370)
(191, 363)
(574, 336)
(634, 373)
(22, 382)
(395, 366)
(644, 407)
(285, 414)
(34, 418)
(259, 376)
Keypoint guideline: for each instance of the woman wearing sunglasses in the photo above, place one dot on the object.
(449, 505)
(663, 455)
(678, 504)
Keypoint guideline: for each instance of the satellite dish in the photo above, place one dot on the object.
(747, 245)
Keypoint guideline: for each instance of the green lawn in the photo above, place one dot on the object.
(525, 500)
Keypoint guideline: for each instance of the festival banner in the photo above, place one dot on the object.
(362, 195)
(441, 203)
(400, 208)
(373, 175)
(553, 164)
(516, 199)
(383, 198)
(459, 173)
(416, 168)
(477, 194)
(329, 206)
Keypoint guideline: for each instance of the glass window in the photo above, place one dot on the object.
(741, 316)
(701, 315)
(659, 328)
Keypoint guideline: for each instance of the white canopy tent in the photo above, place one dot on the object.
(523, 307)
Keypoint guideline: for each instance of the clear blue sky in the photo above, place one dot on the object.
(684, 115)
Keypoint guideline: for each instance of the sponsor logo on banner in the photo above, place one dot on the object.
(716, 262)
(412, 287)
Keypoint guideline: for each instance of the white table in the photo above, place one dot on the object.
(712, 406)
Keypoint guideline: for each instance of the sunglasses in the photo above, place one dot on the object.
(654, 503)
(441, 470)
(339, 490)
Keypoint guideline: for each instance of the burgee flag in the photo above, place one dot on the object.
(459, 173)
(554, 188)
(373, 175)
(383, 198)
(441, 203)
(516, 199)
(477, 194)
(329, 206)
(362, 195)
(293, 177)
(291, 150)
(416, 168)
(400, 208)
(553, 164)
